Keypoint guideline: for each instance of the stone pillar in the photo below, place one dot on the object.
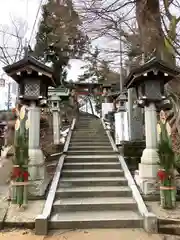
(38, 176)
(56, 126)
(149, 161)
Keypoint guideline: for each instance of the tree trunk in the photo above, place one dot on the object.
(149, 24)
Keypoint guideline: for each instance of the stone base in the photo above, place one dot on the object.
(148, 186)
(146, 177)
(150, 156)
(36, 164)
(147, 171)
(38, 188)
(39, 179)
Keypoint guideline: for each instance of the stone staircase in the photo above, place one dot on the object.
(92, 191)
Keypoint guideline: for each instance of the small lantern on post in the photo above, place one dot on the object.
(33, 78)
(55, 102)
(62, 93)
(149, 80)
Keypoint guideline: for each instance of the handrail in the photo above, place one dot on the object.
(150, 219)
(41, 221)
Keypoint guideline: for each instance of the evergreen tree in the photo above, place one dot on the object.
(91, 72)
(96, 70)
(59, 37)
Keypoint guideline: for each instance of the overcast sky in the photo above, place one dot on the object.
(25, 9)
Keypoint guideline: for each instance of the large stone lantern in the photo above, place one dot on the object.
(149, 80)
(33, 78)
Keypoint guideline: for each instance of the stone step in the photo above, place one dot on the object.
(96, 181)
(88, 118)
(90, 147)
(89, 144)
(93, 191)
(94, 204)
(91, 117)
(85, 122)
(88, 136)
(94, 159)
(89, 140)
(92, 172)
(88, 124)
(90, 130)
(88, 127)
(96, 219)
(91, 152)
(91, 165)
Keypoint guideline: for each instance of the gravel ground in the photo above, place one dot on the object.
(98, 234)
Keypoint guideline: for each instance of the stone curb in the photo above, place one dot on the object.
(150, 219)
(41, 221)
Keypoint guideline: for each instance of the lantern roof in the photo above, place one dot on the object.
(82, 84)
(59, 91)
(30, 65)
(151, 70)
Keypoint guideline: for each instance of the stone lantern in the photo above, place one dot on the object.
(107, 104)
(55, 109)
(33, 78)
(55, 102)
(122, 100)
(121, 120)
(149, 80)
(55, 96)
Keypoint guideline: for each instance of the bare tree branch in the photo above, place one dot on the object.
(12, 41)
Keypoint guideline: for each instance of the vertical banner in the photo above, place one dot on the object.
(121, 127)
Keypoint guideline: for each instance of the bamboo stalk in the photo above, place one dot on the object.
(13, 194)
(25, 194)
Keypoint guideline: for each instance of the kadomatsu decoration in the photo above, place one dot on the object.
(166, 171)
(20, 173)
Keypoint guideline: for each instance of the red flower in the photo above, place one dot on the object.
(25, 176)
(16, 172)
(14, 110)
(162, 174)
